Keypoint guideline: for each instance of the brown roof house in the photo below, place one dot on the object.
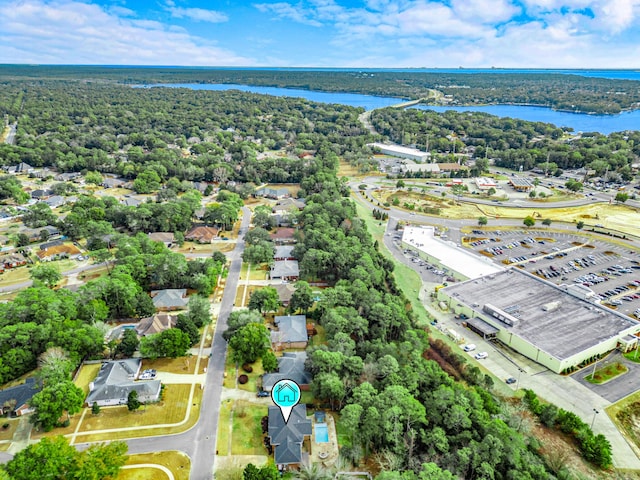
(291, 333)
(155, 324)
(59, 251)
(283, 236)
(202, 234)
(170, 299)
(15, 400)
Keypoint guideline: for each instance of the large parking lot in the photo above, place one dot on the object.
(611, 271)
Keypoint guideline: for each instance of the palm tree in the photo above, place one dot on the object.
(314, 472)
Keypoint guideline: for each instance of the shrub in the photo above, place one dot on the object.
(247, 368)
(242, 379)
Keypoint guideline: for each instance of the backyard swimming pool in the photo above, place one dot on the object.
(322, 433)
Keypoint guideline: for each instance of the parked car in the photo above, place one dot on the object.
(262, 393)
(510, 380)
(469, 348)
(481, 355)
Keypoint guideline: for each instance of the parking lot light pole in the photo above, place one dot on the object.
(518, 382)
(595, 414)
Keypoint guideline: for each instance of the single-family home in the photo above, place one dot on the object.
(201, 234)
(285, 292)
(285, 270)
(51, 244)
(155, 324)
(170, 299)
(12, 260)
(287, 206)
(15, 400)
(40, 194)
(289, 438)
(291, 333)
(112, 182)
(274, 193)
(21, 168)
(291, 367)
(59, 251)
(68, 176)
(116, 379)
(55, 201)
(165, 237)
(283, 236)
(284, 252)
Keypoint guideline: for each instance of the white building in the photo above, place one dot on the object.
(401, 152)
(459, 262)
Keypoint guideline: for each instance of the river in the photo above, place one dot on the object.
(580, 122)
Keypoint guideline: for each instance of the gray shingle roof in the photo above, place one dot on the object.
(287, 437)
(170, 298)
(116, 379)
(285, 268)
(21, 394)
(291, 328)
(290, 366)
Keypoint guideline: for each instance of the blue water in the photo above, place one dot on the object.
(580, 122)
(322, 433)
(367, 102)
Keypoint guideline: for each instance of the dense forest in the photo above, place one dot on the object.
(566, 92)
(211, 136)
(512, 143)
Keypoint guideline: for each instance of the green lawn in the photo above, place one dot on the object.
(603, 375)
(633, 355)
(344, 439)
(222, 445)
(247, 432)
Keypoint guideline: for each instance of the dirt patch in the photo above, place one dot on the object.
(589, 246)
(544, 239)
(576, 244)
(609, 252)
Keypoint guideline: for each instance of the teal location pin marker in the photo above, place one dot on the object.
(286, 395)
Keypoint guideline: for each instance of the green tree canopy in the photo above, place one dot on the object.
(264, 300)
(249, 343)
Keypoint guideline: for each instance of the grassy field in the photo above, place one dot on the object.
(240, 294)
(618, 217)
(170, 410)
(177, 462)
(603, 375)
(87, 375)
(184, 365)
(257, 272)
(15, 275)
(626, 416)
(222, 442)
(7, 433)
(247, 432)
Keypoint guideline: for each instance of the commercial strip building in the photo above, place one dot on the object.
(542, 321)
(401, 152)
(456, 261)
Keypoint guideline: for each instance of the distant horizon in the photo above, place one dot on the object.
(400, 34)
(282, 67)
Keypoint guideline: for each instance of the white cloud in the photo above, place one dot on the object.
(70, 31)
(285, 10)
(197, 14)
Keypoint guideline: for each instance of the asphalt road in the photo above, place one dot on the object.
(11, 136)
(199, 442)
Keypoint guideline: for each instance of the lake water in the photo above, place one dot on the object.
(580, 122)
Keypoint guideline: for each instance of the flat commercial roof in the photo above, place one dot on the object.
(520, 182)
(571, 326)
(400, 150)
(448, 254)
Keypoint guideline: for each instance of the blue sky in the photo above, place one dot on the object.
(324, 33)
